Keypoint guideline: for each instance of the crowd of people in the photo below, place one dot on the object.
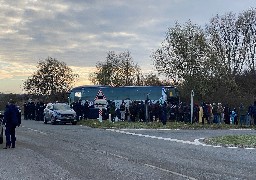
(82, 109)
(223, 114)
(133, 111)
(33, 111)
(205, 113)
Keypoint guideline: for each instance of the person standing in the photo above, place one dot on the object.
(200, 114)
(215, 113)
(112, 111)
(12, 119)
(227, 114)
(205, 113)
(122, 111)
(220, 112)
(233, 116)
(41, 111)
(37, 111)
(86, 110)
(253, 121)
(164, 113)
(242, 114)
(25, 107)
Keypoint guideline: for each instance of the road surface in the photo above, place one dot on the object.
(74, 152)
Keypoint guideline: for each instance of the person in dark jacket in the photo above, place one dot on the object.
(25, 107)
(12, 119)
(86, 110)
(254, 113)
(164, 113)
(122, 111)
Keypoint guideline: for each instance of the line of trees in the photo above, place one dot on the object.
(53, 79)
(217, 62)
(120, 70)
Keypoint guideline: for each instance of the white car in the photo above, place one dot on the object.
(59, 113)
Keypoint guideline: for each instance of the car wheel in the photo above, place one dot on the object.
(74, 123)
(53, 122)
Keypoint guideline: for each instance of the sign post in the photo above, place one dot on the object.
(100, 102)
(146, 104)
(100, 114)
(192, 106)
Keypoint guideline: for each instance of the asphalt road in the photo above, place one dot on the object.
(78, 152)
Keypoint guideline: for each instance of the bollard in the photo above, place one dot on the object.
(109, 118)
(100, 114)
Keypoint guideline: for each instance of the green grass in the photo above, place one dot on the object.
(153, 125)
(233, 140)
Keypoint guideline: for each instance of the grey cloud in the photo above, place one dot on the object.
(81, 31)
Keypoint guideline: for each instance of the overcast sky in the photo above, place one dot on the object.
(82, 32)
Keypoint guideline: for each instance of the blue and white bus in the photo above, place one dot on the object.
(126, 93)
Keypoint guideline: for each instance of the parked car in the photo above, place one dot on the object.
(59, 113)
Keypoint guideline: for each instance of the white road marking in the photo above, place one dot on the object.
(168, 171)
(241, 129)
(232, 147)
(143, 129)
(154, 137)
(195, 142)
(216, 146)
(37, 131)
(154, 167)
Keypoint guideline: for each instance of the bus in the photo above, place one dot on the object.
(126, 93)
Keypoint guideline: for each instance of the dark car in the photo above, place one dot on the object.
(59, 113)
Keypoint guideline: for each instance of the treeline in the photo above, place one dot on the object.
(119, 69)
(4, 99)
(216, 61)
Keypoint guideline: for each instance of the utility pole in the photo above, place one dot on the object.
(146, 105)
(192, 106)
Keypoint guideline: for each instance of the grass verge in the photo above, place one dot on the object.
(154, 125)
(233, 141)
(230, 141)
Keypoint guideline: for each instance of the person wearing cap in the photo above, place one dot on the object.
(12, 119)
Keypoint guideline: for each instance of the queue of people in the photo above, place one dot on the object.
(146, 111)
(205, 113)
(82, 109)
(34, 111)
(223, 114)
(141, 111)
(136, 111)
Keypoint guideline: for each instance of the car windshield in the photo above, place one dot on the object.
(61, 107)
